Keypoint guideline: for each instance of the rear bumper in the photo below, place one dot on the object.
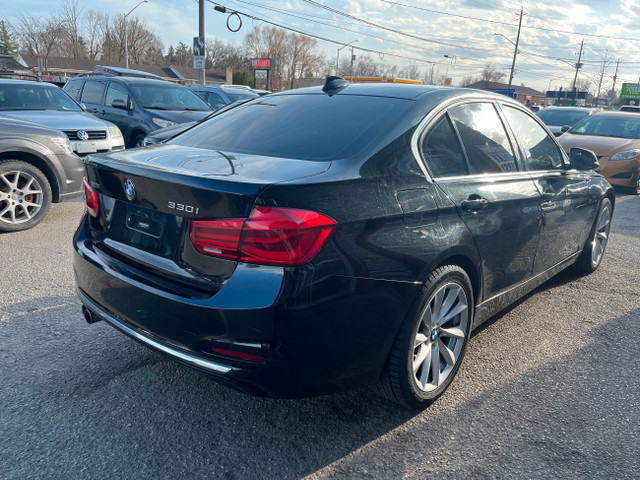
(318, 337)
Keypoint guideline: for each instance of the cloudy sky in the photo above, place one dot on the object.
(399, 32)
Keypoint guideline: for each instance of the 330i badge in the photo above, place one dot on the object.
(292, 253)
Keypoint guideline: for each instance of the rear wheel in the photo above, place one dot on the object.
(25, 195)
(593, 250)
(431, 343)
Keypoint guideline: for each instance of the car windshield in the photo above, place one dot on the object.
(22, 96)
(622, 126)
(167, 97)
(307, 127)
(561, 117)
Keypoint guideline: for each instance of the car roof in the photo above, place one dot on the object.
(399, 90)
(138, 80)
(616, 113)
(564, 109)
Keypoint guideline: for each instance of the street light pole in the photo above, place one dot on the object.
(338, 54)
(126, 49)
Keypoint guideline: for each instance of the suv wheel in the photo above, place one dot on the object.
(25, 195)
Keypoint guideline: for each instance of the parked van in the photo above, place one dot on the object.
(137, 105)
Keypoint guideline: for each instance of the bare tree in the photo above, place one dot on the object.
(490, 73)
(607, 60)
(39, 36)
(94, 26)
(71, 17)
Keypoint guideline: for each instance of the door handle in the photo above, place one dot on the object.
(474, 203)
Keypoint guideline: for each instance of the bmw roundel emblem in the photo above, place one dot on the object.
(129, 189)
(82, 135)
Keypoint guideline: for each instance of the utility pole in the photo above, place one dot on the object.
(615, 77)
(515, 52)
(575, 78)
(201, 78)
(352, 58)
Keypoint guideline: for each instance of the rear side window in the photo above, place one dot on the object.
(308, 127)
(484, 138)
(540, 151)
(115, 92)
(442, 151)
(93, 92)
(215, 100)
(73, 88)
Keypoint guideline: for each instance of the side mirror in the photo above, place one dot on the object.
(565, 128)
(582, 159)
(118, 103)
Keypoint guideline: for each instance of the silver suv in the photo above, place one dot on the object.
(46, 104)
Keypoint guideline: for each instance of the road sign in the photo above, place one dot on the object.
(198, 46)
(261, 74)
(198, 62)
(630, 91)
(447, 81)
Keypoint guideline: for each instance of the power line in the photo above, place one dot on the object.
(511, 24)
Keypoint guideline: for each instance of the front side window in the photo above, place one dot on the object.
(93, 92)
(484, 138)
(115, 92)
(442, 151)
(540, 150)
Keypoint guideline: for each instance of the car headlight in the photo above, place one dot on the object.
(64, 144)
(163, 123)
(114, 132)
(626, 155)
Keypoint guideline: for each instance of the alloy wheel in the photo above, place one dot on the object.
(601, 236)
(440, 336)
(21, 197)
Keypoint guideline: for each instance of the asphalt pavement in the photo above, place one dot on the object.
(548, 389)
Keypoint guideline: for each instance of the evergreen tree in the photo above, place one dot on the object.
(8, 44)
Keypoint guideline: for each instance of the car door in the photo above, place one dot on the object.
(123, 118)
(92, 96)
(472, 160)
(566, 206)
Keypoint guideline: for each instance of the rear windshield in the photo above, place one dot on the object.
(308, 127)
(235, 96)
(562, 117)
(168, 97)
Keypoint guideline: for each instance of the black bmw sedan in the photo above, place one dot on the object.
(320, 239)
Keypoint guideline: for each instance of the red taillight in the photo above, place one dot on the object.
(90, 198)
(270, 236)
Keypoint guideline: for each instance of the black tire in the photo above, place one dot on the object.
(588, 261)
(636, 189)
(137, 140)
(25, 196)
(399, 381)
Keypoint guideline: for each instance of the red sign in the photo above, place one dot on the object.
(261, 63)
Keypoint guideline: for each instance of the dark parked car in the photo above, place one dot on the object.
(137, 105)
(219, 96)
(37, 167)
(292, 254)
(560, 119)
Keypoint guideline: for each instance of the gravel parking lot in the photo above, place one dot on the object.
(548, 389)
